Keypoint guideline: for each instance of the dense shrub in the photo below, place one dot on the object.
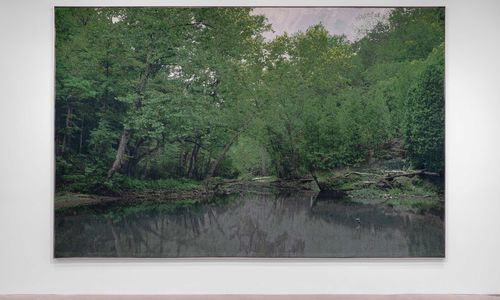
(425, 116)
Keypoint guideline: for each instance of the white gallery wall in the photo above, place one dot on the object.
(472, 263)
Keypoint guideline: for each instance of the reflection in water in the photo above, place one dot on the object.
(261, 225)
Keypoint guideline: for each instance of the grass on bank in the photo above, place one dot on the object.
(181, 184)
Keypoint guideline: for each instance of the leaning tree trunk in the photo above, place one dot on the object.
(120, 153)
(126, 132)
(192, 159)
(221, 157)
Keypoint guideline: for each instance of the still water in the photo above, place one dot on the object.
(255, 225)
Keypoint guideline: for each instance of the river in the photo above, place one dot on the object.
(298, 224)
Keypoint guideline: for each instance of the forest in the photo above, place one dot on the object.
(175, 98)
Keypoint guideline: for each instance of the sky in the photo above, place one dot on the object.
(348, 21)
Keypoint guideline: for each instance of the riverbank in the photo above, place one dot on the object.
(68, 200)
(390, 183)
(156, 193)
(406, 194)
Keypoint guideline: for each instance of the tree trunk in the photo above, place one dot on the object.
(221, 157)
(190, 165)
(193, 158)
(180, 165)
(66, 130)
(263, 167)
(119, 153)
(81, 136)
(315, 179)
(371, 156)
(184, 162)
(126, 133)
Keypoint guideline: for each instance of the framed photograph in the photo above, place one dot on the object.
(249, 132)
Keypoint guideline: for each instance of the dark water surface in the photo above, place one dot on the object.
(253, 224)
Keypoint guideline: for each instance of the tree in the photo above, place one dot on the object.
(151, 93)
(425, 116)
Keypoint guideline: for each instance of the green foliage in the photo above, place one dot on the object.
(256, 160)
(200, 88)
(409, 34)
(92, 181)
(425, 116)
(181, 184)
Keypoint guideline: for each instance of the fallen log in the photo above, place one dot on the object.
(411, 174)
(365, 179)
(360, 174)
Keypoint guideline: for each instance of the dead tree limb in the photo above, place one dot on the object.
(411, 174)
(360, 174)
